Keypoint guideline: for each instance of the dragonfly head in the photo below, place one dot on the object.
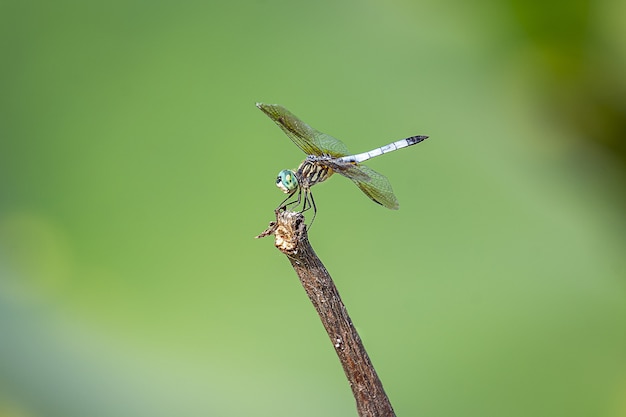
(287, 181)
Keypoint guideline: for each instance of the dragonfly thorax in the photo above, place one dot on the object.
(287, 181)
(313, 170)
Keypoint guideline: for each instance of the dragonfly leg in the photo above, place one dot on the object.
(314, 210)
(283, 206)
(297, 202)
(309, 203)
(305, 204)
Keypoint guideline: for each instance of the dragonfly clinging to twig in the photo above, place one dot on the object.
(325, 156)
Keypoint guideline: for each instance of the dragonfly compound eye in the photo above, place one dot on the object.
(287, 181)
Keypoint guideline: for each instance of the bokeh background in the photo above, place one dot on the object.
(135, 171)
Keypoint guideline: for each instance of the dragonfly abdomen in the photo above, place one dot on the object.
(394, 146)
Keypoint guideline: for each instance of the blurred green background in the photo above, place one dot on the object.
(135, 171)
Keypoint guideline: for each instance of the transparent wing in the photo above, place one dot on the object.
(376, 186)
(311, 141)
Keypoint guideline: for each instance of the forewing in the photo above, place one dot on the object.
(311, 141)
(376, 186)
(330, 145)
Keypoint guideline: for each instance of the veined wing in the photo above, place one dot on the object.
(311, 141)
(376, 186)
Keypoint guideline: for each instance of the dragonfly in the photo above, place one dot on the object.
(325, 156)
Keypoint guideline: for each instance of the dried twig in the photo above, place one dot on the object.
(291, 238)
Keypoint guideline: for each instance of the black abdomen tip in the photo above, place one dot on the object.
(416, 139)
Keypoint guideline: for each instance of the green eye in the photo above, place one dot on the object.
(287, 181)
